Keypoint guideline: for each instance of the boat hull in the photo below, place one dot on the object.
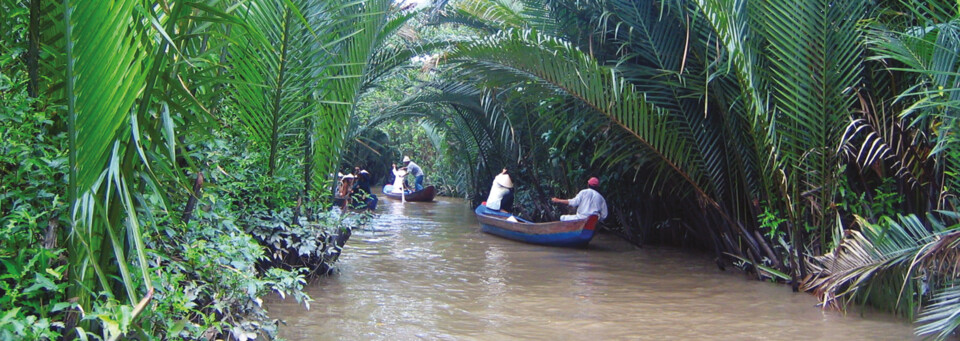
(426, 194)
(574, 233)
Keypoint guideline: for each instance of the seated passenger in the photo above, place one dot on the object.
(588, 202)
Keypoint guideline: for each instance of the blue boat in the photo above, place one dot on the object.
(554, 233)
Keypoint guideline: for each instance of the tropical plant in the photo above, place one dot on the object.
(99, 123)
(274, 63)
(365, 60)
(127, 151)
(895, 265)
(913, 136)
(32, 210)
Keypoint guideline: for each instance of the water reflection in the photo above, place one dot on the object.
(425, 271)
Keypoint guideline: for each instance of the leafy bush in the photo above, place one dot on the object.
(207, 284)
(311, 245)
(32, 168)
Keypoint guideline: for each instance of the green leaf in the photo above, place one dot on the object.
(41, 282)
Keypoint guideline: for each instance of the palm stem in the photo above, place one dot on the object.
(278, 93)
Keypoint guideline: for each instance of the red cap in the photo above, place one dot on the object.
(593, 181)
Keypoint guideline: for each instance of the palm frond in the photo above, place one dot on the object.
(513, 56)
(273, 65)
(941, 318)
(341, 83)
(816, 58)
(108, 53)
(929, 54)
(731, 32)
(893, 254)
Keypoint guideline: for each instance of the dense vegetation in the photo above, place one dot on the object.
(164, 164)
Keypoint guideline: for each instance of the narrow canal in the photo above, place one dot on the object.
(424, 271)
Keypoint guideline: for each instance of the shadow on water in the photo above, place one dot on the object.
(424, 271)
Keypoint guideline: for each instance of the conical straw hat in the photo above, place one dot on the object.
(504, 180)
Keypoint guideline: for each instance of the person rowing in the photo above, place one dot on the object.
(501, 193)
(588, 202)
(414, 170)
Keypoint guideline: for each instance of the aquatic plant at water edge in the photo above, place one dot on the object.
(899, 265)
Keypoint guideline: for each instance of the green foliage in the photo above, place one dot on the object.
(274, 61)
(34, 297)
(898, 265)
(883, 202)
(13, 44)
(139, 81)
(32, 168)
(771, 222)
(206, 279)
(32, 185)
(294, 236)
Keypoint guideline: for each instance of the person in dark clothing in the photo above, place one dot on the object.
(363, 180)
(361, 189)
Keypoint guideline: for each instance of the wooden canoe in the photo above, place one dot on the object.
(554, 233)
(426, 194)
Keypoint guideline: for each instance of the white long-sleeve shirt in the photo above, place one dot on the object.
(588, 202)
(497, 191)
(398, 181)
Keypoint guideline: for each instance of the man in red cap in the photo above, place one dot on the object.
(588, 202)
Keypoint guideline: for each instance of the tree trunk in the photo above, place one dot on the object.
(192, 202)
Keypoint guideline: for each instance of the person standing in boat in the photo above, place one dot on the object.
(588, 202)
(414, 170)
(501, 193)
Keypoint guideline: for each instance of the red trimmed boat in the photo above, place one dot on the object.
(554, 233)
(425, 194)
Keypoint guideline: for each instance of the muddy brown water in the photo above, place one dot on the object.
(424, 271)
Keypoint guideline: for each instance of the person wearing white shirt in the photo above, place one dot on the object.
(398, 180)
(588, 202)
(501, 193)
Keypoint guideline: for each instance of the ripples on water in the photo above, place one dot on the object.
(424, 271)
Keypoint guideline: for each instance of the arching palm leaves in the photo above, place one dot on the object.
(815, 61)
(365, 28)
(131, 81)
(274, 62)
(107, 55)
(115, 64)
(563, 69)
(483, 133)
(929, 54)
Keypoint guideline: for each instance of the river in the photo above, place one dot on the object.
(424, 271)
